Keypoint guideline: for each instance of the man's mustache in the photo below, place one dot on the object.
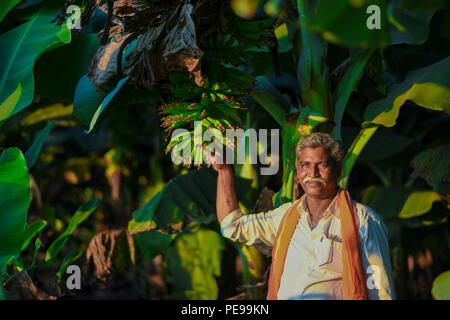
(314, 180)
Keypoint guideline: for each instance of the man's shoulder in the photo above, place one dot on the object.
(283, 207)
(367, 214)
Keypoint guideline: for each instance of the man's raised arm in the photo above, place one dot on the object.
(226, 200)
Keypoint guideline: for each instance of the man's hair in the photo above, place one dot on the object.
(319, 139)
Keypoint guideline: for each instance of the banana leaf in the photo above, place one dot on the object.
(428, 87)
(192, 262)
(347, 22)
(20, 47)
(80, 215)
(192, 195)
(14, 203)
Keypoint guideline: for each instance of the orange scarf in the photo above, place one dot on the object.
(352, 270)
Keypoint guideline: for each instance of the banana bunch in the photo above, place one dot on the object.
(214, 105)
(223, 48)
(256, 32)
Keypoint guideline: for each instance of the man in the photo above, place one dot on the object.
(324, 245)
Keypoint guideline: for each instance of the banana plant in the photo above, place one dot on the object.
(426, 87)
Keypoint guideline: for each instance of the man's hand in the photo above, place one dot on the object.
(226, 200)
(215, 160)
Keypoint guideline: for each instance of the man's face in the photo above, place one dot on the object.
(317, 173)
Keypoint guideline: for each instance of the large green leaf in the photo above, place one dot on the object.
(55, 77)
(5, 6)
(270, 99)
(14, 203)
(80, 215)
(418, 203)
(153, 242)
(192, 194)
(86, 100)
(346, 86)
(20, 47)
(377, 148)
(401, 202)
(105, 103)
(32, 154)
(427, 87)
(409, 20)
(192, 262)
(89, 104)
(312, 71)
(387, 201)
(434, 166)
(441, 286)
(291, 137)
(345, 22)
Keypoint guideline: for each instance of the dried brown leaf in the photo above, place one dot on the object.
(105, 248)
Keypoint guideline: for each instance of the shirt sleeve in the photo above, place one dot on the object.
(258, 229)
(375, 255)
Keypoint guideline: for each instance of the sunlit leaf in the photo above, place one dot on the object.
(441, 286)
(427, 87)
(387, 201)
(192, 262)
(56, 110)
(418, 203)
(397, 201)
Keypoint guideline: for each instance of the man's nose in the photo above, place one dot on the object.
(314, 171)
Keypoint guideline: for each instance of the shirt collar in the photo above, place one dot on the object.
(331, 210)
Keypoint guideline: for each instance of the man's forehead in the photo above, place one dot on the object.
(315, 153)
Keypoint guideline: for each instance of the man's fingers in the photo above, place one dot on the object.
(217, 158)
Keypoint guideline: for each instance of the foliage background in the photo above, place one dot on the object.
(84, 174)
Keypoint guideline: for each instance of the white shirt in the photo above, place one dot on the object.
(313, 266)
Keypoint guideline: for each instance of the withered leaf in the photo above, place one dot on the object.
(104, 65)
(181, 51)
(108, 250)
